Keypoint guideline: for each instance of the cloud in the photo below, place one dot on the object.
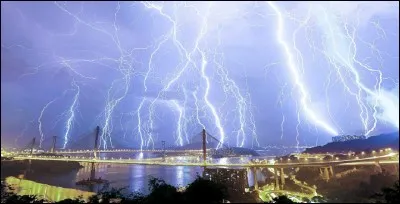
(358, 11)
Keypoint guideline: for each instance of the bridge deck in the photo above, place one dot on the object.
(365, 161)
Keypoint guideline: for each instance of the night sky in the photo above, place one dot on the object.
(250, 73)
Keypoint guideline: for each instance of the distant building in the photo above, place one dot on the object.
(343, 138)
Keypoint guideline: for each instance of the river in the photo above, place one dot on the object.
(131, 177)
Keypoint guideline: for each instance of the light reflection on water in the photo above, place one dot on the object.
(136, 177)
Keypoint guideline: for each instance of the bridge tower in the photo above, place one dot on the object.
(163, 149)
(53, 148)
(204, 146)
(96, 140)
(32, 145)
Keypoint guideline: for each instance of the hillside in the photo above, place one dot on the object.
(372, 143)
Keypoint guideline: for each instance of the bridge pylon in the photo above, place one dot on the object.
(163, 150)
(53, 148)
(32, 145)
(204, 146)
(96, 140)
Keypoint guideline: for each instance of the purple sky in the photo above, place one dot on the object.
(146, 72)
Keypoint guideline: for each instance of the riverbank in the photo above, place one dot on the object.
(44, 191)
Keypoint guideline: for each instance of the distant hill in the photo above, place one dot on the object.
(197, 145)
(372, 143)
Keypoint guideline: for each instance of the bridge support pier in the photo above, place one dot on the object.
(92, 171)
(282, 175)
(276, 179)
(331, 171)
(255, 181)
(378, 167)
(326, 172)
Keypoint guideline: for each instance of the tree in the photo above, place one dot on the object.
(71, 201)
(318, 199)
(115, 195)
(162, 193)
(5, 192)
(389, 195)
(199, 191)
(282, 199)
(205, 191)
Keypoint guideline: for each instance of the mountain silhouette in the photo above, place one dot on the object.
(388, 140)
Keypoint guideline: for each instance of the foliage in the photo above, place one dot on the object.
(195, 192)
(318, 199)
(282, 199)
(160, 192)
(71, 201)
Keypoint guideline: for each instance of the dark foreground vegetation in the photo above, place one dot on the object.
(199, 191)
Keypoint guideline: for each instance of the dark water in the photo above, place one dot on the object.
(136, 177)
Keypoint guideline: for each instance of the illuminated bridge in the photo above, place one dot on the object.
(325, 167)
(127, 150)
(384, 159)
(204, 135)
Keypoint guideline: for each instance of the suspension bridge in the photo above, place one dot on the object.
(202, 136)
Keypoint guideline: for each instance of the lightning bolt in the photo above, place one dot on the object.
(71, 115)
(296, 75)
(140, 131)
(196, 103)
(341, 51)
(232, 89)
(187, 61)
(200, 73)
(179, 139)
(42, 136)
(23, 131)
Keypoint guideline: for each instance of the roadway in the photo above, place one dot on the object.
(128, 150)
(384, 159)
